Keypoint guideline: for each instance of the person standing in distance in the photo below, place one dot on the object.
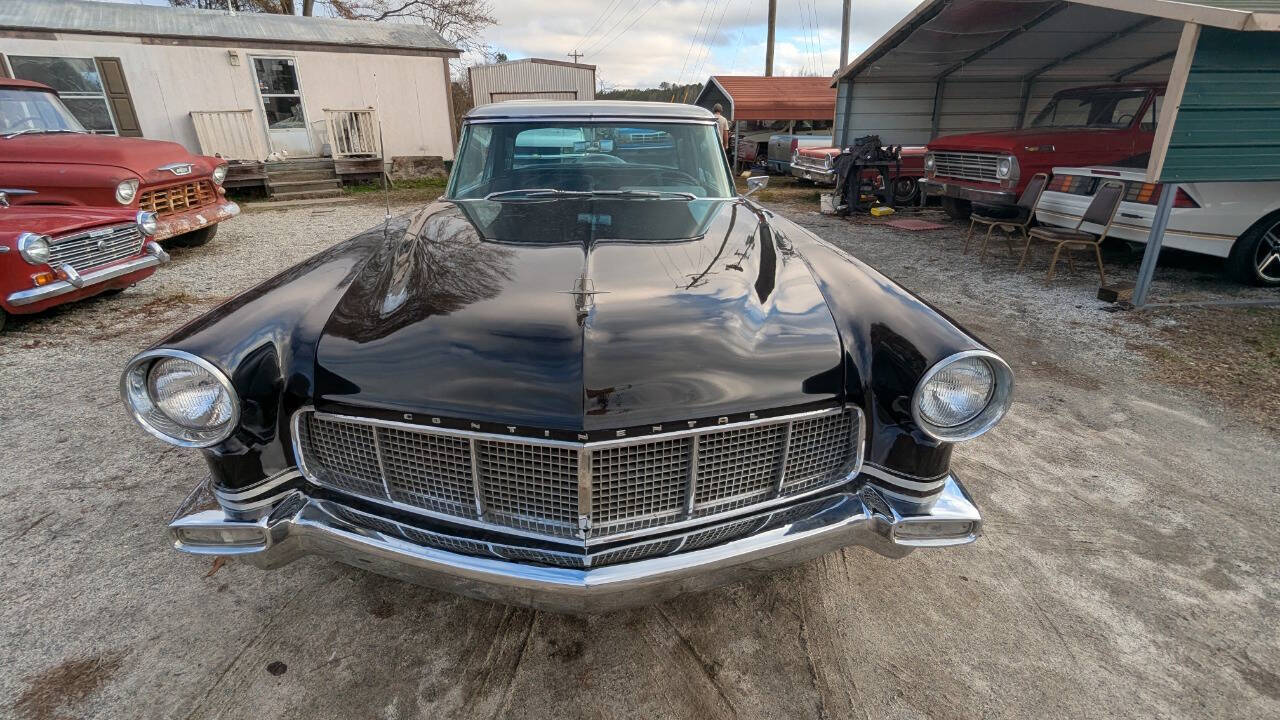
(722, 124)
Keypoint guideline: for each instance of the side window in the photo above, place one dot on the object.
(1126, 109)
(77, 82)
(1153, 115)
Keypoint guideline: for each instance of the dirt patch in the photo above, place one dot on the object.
(66, 685)
(1231, 354)
(404, 191)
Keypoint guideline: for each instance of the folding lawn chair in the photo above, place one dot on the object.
(1101, 211)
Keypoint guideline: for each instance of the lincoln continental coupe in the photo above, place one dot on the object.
(577, 383)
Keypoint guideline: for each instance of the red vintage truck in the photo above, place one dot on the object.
(1097, 125)
(48, 158)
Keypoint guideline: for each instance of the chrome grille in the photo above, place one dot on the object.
(627, 487)
(90, 249)
(966, 165)
(177, 198)
(812, 163)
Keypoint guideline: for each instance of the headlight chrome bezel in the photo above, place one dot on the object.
(35, 248)
(930, 163)
(219, 174)
(126, 191)
(148, 222)
(997, 404)
(142, 406)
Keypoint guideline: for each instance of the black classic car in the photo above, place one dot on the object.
(576, 383)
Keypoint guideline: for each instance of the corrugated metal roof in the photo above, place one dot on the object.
(1068, 39)
(149, 21)
(775, 98)
(1228, 123)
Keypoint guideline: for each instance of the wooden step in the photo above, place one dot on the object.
(301, 164)
(306, 195)
(280, 176)
(304, 185)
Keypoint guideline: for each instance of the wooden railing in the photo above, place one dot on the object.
(353, 132)
(230, 134)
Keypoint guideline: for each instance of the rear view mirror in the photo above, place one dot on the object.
(756, 183)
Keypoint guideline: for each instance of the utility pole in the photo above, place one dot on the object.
(768, 53)
(844, 35)
(575, 55)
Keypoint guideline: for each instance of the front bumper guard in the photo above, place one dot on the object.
(982, 196)
(301, 525)
(154, 255)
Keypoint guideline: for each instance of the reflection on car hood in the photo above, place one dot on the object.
(581, 313)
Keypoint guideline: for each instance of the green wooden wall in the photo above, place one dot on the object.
(1228, 127)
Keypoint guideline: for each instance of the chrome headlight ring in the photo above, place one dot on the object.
(997, 404)
(126, 191)
(34, 248)
(147, 222)
(135, 388)
(219, 174)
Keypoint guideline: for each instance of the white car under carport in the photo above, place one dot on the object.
(1239, 221)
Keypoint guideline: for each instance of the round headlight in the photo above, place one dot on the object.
(963, 396)
(126, 191)
(929, 162)
(147, 223)
(34, 248)
(219, 174)
(180, 398)
(1003, 167)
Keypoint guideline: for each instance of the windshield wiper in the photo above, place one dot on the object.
(6, 136)
(552, 192)
(537, 192)
(646, 194)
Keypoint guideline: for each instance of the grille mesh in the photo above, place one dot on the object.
(177, 198)
(534, 487)
(966, 165)
(97, 247)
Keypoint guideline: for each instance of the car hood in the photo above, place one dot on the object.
(581, 314)
(57, 220)
(1016, 141)
(135, 154)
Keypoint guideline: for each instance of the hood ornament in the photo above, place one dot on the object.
(584, 295)
(179, 169)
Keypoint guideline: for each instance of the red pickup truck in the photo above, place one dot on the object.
(1098, 125)
(48, 158)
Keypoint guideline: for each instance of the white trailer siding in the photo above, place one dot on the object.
(532, 79)
(169, 81)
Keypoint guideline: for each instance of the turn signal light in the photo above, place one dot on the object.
(43, 278)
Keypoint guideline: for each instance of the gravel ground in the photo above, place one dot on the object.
(1128, 567)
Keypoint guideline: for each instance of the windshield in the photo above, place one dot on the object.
(29, 111)
(624, 160)
(1102, 109)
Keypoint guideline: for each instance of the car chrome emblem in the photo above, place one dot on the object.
(177, 168)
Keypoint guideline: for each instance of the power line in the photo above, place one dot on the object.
(600, 41)
(741, 33)
(707, 55)
(596, 23)
(692, 41)
(628, 27)
(817, 35)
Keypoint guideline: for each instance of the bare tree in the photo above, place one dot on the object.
(459, 21)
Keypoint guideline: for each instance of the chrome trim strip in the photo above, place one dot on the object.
(995, 410)
(256, 504)
(584, 491)
(62, 287)
(257, 488)
(859, 427)
(782, 462)
(691, 483)
(475, 478)
(880, 474)
(382, 471)
(1075, 219)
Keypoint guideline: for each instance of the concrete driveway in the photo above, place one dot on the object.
(1129, 566)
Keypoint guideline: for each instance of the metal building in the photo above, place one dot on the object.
(532, 79)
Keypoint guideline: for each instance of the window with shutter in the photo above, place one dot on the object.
(117, 91)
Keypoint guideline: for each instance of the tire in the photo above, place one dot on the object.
(906, 191)
(4, 318)
(195, 238)
(1255, 256)
(956, 209)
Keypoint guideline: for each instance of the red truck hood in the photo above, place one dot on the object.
(135, 154)
(1012, 140)
(907, 151)
(57, 220)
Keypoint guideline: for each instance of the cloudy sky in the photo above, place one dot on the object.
(640, 43)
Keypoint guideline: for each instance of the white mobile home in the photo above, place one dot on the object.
(532, 79)
(238, 85)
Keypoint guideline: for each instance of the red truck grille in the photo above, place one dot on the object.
(89, 249)
(176, 198)
(966, 165)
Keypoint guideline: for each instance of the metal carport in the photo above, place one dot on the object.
(955, 66)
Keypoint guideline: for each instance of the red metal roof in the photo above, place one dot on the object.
(778, 98)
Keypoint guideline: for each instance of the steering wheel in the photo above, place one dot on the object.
(1125, 120)
(29, 120)
(680, 177)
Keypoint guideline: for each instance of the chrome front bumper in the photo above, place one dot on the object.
(982, 196)
(155, 255)
(826, 177)
(301, 525)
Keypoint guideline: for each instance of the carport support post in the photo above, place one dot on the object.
(1154, 240)
(737, 140)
